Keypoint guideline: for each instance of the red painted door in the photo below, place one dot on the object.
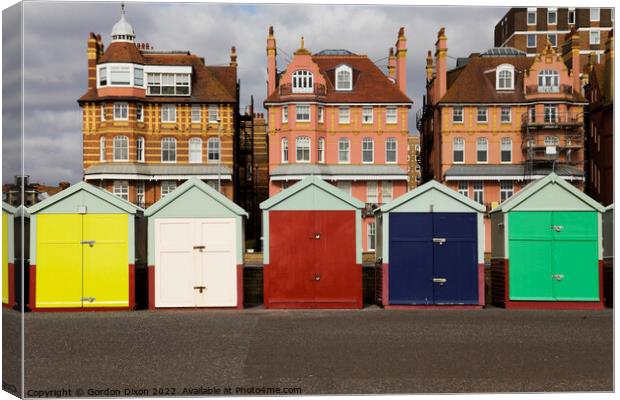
(312, 260)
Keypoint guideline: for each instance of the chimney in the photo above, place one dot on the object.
(576, 64)
(441, 53)
(233, 57)
(429, 66)
(392, 64)
(609, 68)
(92, 57)
(401, 60)
(271, 62)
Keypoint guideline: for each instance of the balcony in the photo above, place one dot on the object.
(551, 120)
(286, 89)
(559, 89)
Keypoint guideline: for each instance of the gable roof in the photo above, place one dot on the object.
(8, 208)
(431, 185)
(306, 182)
(95, 191)
(370, 84)
(474, 82)
(533, 187)
(199, 184)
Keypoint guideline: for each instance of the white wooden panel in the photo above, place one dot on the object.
(219, 268)
(175, 267)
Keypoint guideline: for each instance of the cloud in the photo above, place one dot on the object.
(55, 36)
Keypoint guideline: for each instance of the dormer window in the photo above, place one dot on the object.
(344, 78)
(103, 76)
(549, 81)
(168, 84)
(303, 82)
(119, 76)
(505, 77)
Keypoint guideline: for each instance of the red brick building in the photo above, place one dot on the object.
(153, 118)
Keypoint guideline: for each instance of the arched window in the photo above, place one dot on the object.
(213, 149)
(482, 147)
(195, 150)
(506, 150)
(140, 149)
(344, 79)
(458, 150)
(284, 149)
(302, 149)
(303, 82)
(390, 150)
(168, 150)
(368, 150)
(320, 154)
(344, 153)
(548, 81)
(505, 77)
(102, 148)
(121, 148)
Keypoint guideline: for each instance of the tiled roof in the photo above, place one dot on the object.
(475, 82)
(156, 169)
(511, 170)
(210, 84)
(327, 170)
(370, 84)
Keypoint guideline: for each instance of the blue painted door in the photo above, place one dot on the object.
(433, 258)
(411, 280)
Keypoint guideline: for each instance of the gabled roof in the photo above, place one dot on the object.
(534, 187)
(195, 183)
(610, 207)
(306, 182)
(370, 84)
(95, 191)
(8, 208)
(431, 185)
(474, 82)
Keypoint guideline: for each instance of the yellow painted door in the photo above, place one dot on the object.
(5, 258)
(106, 271)
(59, 260)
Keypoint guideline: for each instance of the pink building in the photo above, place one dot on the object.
(334, 114)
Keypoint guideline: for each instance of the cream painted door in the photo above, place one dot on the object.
(218, 262)
(175, 263)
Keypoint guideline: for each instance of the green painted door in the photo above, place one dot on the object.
(530, 248)
(553, 256)
(575, 262)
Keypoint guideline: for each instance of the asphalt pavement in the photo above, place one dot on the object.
(257, 351)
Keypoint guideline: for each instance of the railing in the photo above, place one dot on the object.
(286, 89)
(551, 119)
(561, 89)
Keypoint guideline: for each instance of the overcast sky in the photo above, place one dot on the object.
(55, 39)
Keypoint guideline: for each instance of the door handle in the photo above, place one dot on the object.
(91, 243)
(200, 288)
(441, 281)
(316, 236)
(199, 248)
(88, 299)
(557, 277)
(441, 241)
(557, 228)
(317, 277)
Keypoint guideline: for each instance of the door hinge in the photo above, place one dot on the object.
(199, 248)
(441, 241)
(91, 243)
(200, 288)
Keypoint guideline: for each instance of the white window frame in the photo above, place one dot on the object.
(372, 192)
(166, 187)
(458, 145)
(139, 112)
(573, 13)
(103, 76)
(102, 141)
(140, 194)
(168, 113)
(550, 80)
(302, 81)
(166, 142)
(389, 142)
(214, 113)
(368, 147)
(505, 146)
(102, 111)
(320, 154)
(456, 112)
(196, 114)
(303, 145)
(506, 189)
(482, 145)
(595, 36)
(120, 148)
(320, 112)
(372, 236)
(344, 115)
(527, 17)
(157, 81)
(344, 142)
(478, 191)
(284, 114)
(140, 149)
(367, 115)
(119, 72)
(500, 83)
(485, 114)
(387, 191)
(302, 113)
(554, 42)
(344, 84)
(391, 115)
(121, 111)
(554, 12)
(502, 114)
(284, 150)
(598, 14)
(214, 150)
(138, 78)
(194, 150)
(550, 113)
(121, 189)
(463, 188)
(527, 40)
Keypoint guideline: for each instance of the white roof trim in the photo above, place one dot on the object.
(507, 178)
(335, 104)
(341, 177)
(92, 177)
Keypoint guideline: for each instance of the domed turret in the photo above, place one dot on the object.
(122, 30)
